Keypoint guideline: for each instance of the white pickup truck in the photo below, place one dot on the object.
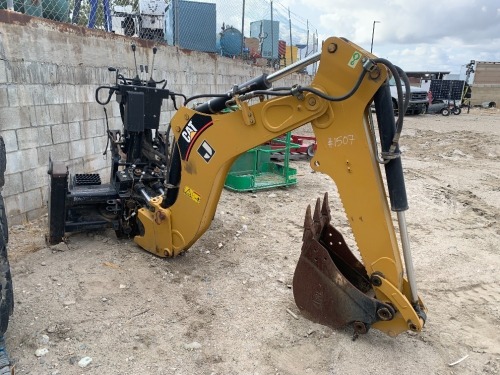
(418, 100)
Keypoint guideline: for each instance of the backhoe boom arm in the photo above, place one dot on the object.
(337, 106)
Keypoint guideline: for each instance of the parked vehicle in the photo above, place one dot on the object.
(444, 107)
(418, 100)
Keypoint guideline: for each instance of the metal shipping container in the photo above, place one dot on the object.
(268, 32)
(191, 25)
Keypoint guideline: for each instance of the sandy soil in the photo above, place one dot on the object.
(222, 307)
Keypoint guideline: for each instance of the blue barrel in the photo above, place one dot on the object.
(230, 42)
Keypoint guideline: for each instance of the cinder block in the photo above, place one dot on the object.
(94, 163)
(34, 178)
(100, 144)
(96, 111)
(10, 118)
(90, 92)
(115, 109)
(24, 95)
(31, 114)
(100, 127)
(56, 112)
(19, 161)
(85, 93)
(42, 115)
(89, 129)
(75, 112)
(4, 97)
(74, 131)
(13, 184)
(39, 212)
(44, 135)
(34, 72)
(165, 117)
(37, 95)
(53, 94)
(63, 74)
(45, 194)
(27, 138)
(59, 152)
(69, 95)
(15, 74)
(60, 133)
(3, 72)
(75, 165)
(77, 149)
(30, 200)
(51, 76)
(13, 210)
(115, 123)
(10, 140)
(12, 92)
(192, 79)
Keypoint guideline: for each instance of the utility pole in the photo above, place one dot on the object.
(243, 29)
(290, 26)
(273, 63)
(373, 34)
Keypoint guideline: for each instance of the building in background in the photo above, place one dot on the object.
(486, 84)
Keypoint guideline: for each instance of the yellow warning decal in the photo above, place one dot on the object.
(192, 194)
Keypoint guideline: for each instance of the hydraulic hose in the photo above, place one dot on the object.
(387, 132)
(219, 103)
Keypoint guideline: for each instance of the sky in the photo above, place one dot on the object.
(418, 35)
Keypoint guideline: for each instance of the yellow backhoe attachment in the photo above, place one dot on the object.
(331, 286)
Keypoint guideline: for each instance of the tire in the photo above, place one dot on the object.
(445, 111)
(456, 111)
(3, 162)
(3, 221)
(6, 291)
(310, 150)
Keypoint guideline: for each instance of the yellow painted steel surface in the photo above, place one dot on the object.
(344, 152)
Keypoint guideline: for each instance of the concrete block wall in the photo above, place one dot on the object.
(485, 93)
(48, 75)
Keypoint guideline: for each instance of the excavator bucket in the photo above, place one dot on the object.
(330, 285)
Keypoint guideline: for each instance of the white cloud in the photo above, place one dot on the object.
(420, 35)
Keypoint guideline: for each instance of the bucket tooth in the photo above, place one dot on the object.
(325, 210)
(317, 210)
(318, 227)
(308, 226)
(330, 285)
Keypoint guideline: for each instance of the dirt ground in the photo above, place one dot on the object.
(222, 307)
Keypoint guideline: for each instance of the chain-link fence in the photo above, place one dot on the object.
(264, 32)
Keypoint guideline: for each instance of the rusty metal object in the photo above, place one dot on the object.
(330, 285)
